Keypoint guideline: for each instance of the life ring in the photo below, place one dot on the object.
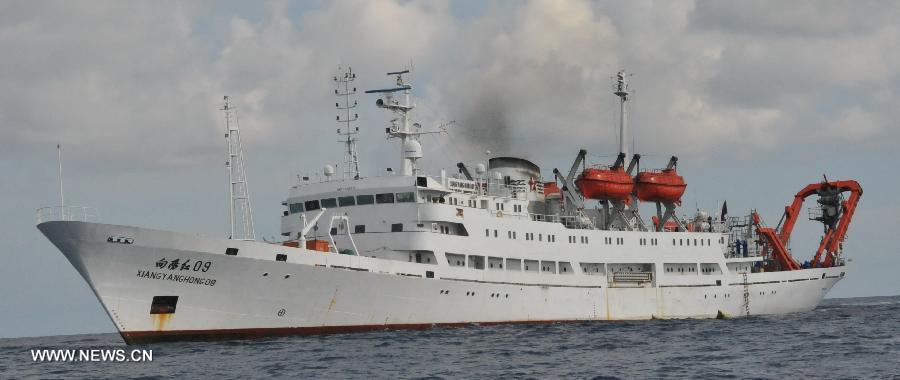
(499, 214)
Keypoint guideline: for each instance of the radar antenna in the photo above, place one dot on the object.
(239, 210)
(344, 90)
(410, 148)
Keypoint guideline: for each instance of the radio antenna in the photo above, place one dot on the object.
(62, 199)
(344, 90)
(239, 210)
(622, 92)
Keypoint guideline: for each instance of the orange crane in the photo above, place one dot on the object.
(834, 212)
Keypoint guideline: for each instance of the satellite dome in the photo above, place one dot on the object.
(412, 149)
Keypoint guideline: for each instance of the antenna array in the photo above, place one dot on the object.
(239, 210)
(350, 134)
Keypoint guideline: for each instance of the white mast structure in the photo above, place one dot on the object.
(239, 211)
(410, 148)
(625, 216)
(62, 199)
(350, 134)
(622, 93)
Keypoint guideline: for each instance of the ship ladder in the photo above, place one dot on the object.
(746, 295)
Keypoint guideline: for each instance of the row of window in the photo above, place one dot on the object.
(497, 263)
(562, 267)
(528, 235)
(681, 269)
(453, 201)
(687, 242)
(581, 239)
(606, 240)
(365, 199)
(361, 228)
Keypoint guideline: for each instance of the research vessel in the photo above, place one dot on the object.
(500, 241)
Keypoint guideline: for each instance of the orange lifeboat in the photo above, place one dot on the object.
(602, 183)
(551, 188)
(660, 186)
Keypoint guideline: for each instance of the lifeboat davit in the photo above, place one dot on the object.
(605, 184)
(660, 186)
(551, 189)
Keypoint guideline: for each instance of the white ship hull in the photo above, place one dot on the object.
(253, 294)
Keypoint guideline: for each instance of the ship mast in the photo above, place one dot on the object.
(410, 148)
(62, 198)
(622, 93)
(239, 211)
(344, 90)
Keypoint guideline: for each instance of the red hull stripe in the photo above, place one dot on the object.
(141, 337)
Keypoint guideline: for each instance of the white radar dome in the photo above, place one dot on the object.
(412, 149)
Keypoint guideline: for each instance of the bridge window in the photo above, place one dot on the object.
(384, 198)
(347, 201)
(311, 205)
(409, 197)
(329, 203)
(295, 207)
(365, 199)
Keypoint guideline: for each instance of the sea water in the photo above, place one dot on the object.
(842, 338)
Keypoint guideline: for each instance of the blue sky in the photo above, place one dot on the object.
(757, 99)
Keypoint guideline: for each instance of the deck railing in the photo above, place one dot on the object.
(67, 213)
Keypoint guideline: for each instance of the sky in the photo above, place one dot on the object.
(757, 99)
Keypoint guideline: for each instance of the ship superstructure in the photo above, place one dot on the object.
(496, 244)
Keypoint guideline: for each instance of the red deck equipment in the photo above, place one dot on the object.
(834, 212)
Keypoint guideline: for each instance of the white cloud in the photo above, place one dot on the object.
(853, 124)
(136, 82)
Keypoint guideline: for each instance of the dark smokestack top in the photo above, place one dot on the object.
(514, 163)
